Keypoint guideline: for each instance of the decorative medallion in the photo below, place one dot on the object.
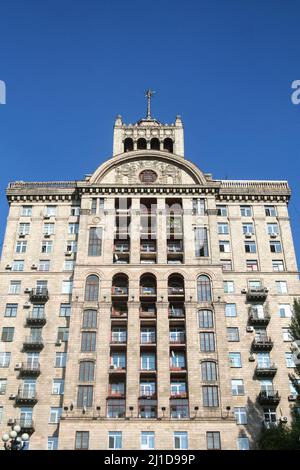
(148, 176)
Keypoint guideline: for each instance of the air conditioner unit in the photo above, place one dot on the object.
(46, 216)
(243, 291)
(68, 253)
(12, 396)
(22, 235)
(47, 235)
(252, 358)
(34, 266)
(8, 266)
(292, 397)
(283, 419)
(112, 366)
(27, 291)
(18, 366)
(11, 421)
(249, 329)
(248, 234)
(273, 235)
(58, 342)
(26, 305)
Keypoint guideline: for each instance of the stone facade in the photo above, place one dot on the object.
(139, 254)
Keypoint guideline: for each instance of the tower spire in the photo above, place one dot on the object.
(149, 94)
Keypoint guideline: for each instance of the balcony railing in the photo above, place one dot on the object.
(121, 248)
(39, 294)
(148, 340)
(257, 293)
(176, 313)
(262, 343)
(175, 395)
(175, 248)
(265, 370)
(36, 319)
(179, 339)
(257, 318)
(33, 342)
(30, 368)
(28, 397)
(119, 290)
(268, 397)
(174, 290)
(119, 313)
(151, 248)
(148, 291)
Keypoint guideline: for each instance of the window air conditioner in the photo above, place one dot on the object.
(26, 305)
(248, 234)
(283, 419)
(47, 235)
(11, 421)
(243, 291)
(273, 235)
(27, 291)
(8, 266)
(34, 266)
(18, 366)
(12, 396)
(22, 235)
(292, 397)
(251, 358)
(249, 329)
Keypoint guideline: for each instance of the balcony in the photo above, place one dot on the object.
(255, 318)
(39, 294)
(176, 313)
(175, 291)
(26, 425)
(118, 313)
(26, 397)
(179, 395)
(116, 394)
(149, 341)
(118, 342)
(178, 340)
(265, 371)
(114, 369)
(148, 291)
(262, 343)
(148, 248)
(147, 313)
(119, 291)
(31, 369)
(147, 409)
(256, 294)
(177, 369)
(32, 343)
(268, 397)
(36, 319)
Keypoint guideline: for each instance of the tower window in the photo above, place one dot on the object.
(168, 145)
(155, 144)
(141, 144)
(128, 145)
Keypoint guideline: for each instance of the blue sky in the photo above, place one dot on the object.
(226, 66)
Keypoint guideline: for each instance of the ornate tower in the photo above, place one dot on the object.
(148, 133)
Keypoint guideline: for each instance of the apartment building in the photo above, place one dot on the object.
(146, 306)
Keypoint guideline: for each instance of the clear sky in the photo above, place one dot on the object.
(70, 66)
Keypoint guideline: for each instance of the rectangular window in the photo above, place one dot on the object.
(263, 360)
(246, 211)
(213, 440)
(199, 206)
(289, 360)
(235, 359)
(226, 264)
(237, 387)
(250, 247)
(50, 211)
(55, 415)
(285, 311)
(201, 242)
(15, 287)
(67, 287)
(69, 265)
(63, 334)
(281, 287)
(94, 206)
(65, 310)
(24, 229)
(210, 396)
(278, 265)
(207, 342)
(270, 211)
(222, 210)
(17, 265)
(95, 241)
(115, 440)
(26, 211)
(243, 443)
(252, 265)
(275, 247)
(44, 265)
(5, 359)
(71, 246)
(224, 246)
(208, 371)
(147, 440)
(82, 440)
(230, 310)
(89, 319)
(73, 229)
(11, 310)
(88, 341)
(228, 287)
(48, 229)
(286, 335)
(7, 334)
(75, 211)
(180, 440)
(21, 247)
(60, 359)
(52, 443)
(85, 396)
(233, 334)
(223, 228)
(47, 246)
(148, 361)
(1, 414)
(58, 387)
(3, 383)
(240, 415)
(273, 229)
(206, 319)
(248, 229)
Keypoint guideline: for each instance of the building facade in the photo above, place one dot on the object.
(146, 306)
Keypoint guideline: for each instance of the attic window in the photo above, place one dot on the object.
(148, 176)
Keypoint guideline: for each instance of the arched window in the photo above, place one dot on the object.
(204, 289)
(175, 285)
(86, 371)
(209, 371)
(120, 285)
(128, 145)
(206, 319)
(168, 145)
(155, 144)
(141, 144)
(92, 288)
(148, 285)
